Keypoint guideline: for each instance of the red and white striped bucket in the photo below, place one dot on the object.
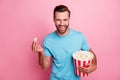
(81, 63)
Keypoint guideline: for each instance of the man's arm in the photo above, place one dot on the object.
(91, 67)
(44, 61)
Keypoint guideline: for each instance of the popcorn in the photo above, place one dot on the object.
(35, 39)
(83, 55)
(81, 59)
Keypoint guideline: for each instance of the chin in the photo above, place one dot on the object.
(62, 32)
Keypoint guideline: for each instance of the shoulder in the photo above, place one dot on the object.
(75, 32)
(50, 36)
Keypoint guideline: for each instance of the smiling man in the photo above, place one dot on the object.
(60, 45)
(61, 20)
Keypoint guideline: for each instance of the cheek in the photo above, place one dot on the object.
(57, 22)
(66, 23)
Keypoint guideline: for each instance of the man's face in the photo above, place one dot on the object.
(61, 20)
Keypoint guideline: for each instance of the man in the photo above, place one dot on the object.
(60, 45)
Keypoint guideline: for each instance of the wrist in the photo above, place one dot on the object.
(42, 52)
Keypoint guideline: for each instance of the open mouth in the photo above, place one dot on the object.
(62, 28)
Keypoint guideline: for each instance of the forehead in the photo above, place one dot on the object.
(62, 14)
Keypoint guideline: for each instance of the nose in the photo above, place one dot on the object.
(61, 22)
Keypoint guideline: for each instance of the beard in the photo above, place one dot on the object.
(60, 28)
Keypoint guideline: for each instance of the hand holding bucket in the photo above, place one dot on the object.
(82, 59)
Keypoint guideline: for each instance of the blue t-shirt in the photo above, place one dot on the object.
(61, 48)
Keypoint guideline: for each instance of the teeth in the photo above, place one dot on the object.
(62, 27)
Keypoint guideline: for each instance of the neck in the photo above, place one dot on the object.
(67, 31)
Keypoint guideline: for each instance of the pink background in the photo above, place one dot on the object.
(22, 20)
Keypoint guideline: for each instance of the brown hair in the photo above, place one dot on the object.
(61, 8)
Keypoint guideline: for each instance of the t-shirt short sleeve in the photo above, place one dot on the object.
(85, 45)
(46, 49)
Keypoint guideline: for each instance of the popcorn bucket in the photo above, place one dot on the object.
(81, 59)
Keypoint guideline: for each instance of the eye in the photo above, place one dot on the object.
(65, 19)
(57, 19)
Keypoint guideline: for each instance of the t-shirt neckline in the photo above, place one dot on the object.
(64, 35)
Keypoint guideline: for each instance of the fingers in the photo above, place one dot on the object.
(87, 69)
(36, 47)
(83, 69)
(34, 44)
